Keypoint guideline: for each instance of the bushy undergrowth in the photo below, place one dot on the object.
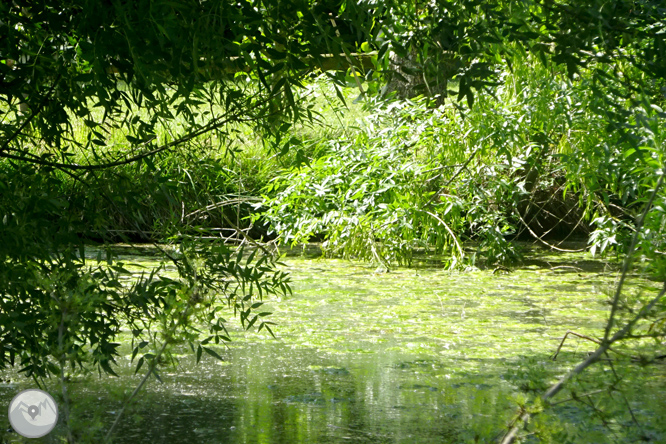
(178, 193)
(152, 200)
(201, 187)
(537, 158)
(388, 191)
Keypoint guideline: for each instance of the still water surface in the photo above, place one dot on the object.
(416, 355)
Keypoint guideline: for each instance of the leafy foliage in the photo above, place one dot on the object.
(56, 305)
(435, 177)
(361, 194)
(75, 76)
(563, 124)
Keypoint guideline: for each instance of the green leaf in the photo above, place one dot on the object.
(269, 330)
(157, 376)
(382, 50)
(139, 364)
(251, 323)
(213, 353)
(107, 368)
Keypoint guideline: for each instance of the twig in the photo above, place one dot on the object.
(224, 203)
(540, 239)
(462, 167)
(596, 341)
(150, 371)
(453, 236)
(629, 258)
(626, 401)
(246, 238)
(595, 392)
(151, 367)
(594, 357)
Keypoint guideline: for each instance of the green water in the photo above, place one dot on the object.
(416, 355)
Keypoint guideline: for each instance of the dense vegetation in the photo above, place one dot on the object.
(189, 123)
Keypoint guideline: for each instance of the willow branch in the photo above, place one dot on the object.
(32, 115)
(217, 123)
(629, 258)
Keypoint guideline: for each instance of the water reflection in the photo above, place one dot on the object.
(274, 394)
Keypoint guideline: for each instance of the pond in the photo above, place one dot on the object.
(417, 355)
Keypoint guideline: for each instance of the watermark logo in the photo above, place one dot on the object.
(33, 413)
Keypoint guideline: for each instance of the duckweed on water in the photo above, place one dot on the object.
(412, 356)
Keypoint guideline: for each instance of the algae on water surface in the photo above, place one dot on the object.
(412, 356)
